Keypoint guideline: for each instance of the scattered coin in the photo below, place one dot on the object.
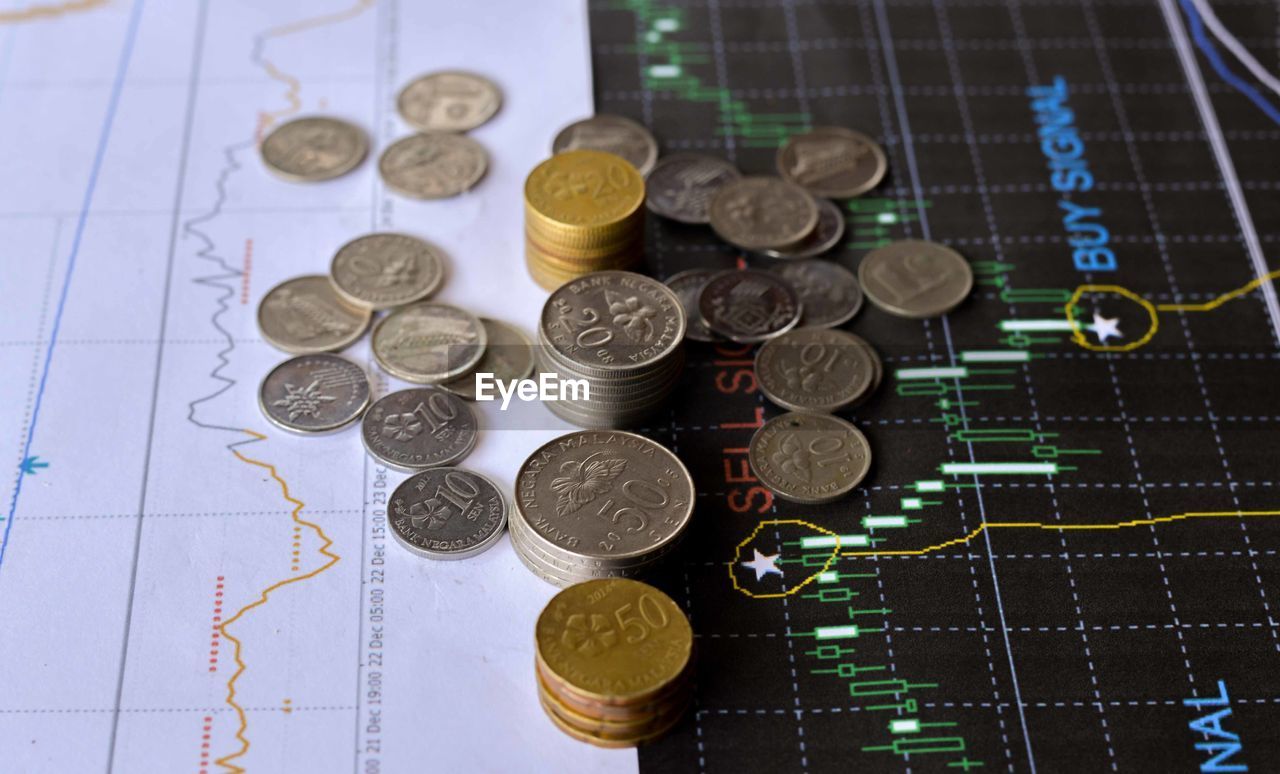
(833, 162)
(688, 285)
(451, 101)
(916, 279)
(828, 291)
(447, 513)
(749, 306)
(304, 315)
(433, 166)
(428, 342)
(612, 134)
(422, 427)
(314, 394)
(809, 458)
(681, 186)
(508, 355)
(763, 213)
(314, 148)
(380, 271)
(638, 495)
(614, 662)
(817, 369)
(826, 235)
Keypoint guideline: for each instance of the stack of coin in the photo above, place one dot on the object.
(584, 212)
(595, 504)
(614, 662)
(619, 337)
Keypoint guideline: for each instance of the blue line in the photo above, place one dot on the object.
(1206, 47)
(126, 54)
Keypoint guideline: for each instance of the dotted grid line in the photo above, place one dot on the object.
(1105, 63)
(988, 705)
(1154, 219)
(1061, 629)
(1023, 239)
(958, 44)
(1012, 90)
(1033, 77)
(885, 114)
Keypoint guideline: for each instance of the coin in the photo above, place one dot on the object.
(615, 640)
(451, 101)
(314, 148)
(428, 342)
(826, 235)
(612, 134)
(748, 306)
(809, 458)
(304, 315)
(828, 291)
(383, 270)
(638, 494)
(687, 285)
(916, 279)
(508, 355)
(682, 186)
(433, 166)
(762, 213)
(611, 322)
(422, 427)
(584, 198)
(816, 369)
(447, 513)
(313, 394)
(833, 162)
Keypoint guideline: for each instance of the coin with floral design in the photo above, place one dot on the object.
(424, 427)
(447, 513)
(313, 394)
(809, 458)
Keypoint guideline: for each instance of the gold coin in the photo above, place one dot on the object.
(637, 724)
(614, 640)
(546, 244)
(600, 739)
(677, 695)
(584, 189)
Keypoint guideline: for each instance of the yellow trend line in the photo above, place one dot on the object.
(1098, 527)
(1153, 311)
(298, 505)
(293, 86)
(737, 558)
(34, 12)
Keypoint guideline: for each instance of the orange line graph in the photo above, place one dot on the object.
(38, 12)
(263, 596)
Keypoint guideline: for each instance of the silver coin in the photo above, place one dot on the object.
(451, 101)
(423, 427)
(809, 458)
(687, 285)
(681, 186)
(313, 394)
(833, 162)
(433, 166)
(749, 306)
(612, 134)
(916, 279)
(428, 342)
(828, 291)
(604, 494)
(305, 315)
(816, 369)
(575, 564)
(508, 355)
(612, 322)
(763, 213)
(826, 235)
(383, 270)
(447, 513)
(314, 148)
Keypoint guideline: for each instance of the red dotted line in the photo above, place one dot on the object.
(206, 732)
(215, 638)
(297, 547)
(248, 269)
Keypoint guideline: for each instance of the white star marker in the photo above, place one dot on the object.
(763, 564)
(1105, 329)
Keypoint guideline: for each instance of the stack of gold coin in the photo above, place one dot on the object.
(584, 212)
(614, 662)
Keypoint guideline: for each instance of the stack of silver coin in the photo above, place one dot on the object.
(615, 340)
(599, 504)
